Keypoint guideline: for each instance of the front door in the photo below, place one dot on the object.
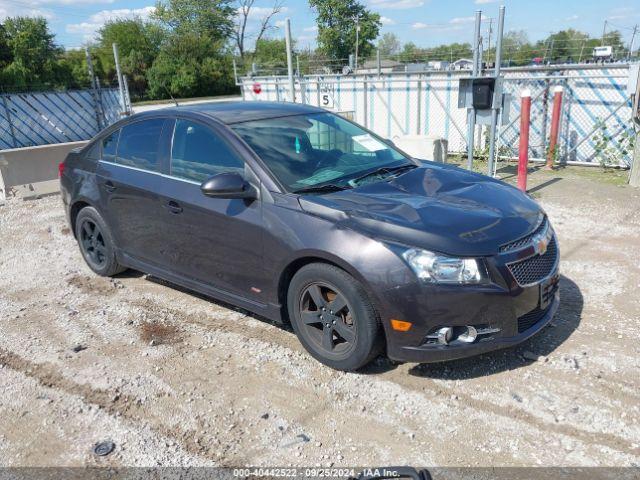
(212, 240)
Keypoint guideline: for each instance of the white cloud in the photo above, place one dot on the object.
(70, 2)
(457, 23)
(396, 4)
(28, 8)
(387, 21)
(89, 29)
(258, 13)
(572, 18)
(313, 28)
(459, 20)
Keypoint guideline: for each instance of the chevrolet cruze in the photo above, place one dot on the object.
(301, 216)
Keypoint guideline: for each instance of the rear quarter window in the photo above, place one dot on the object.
(139, 143)
(109, 146)
(94, 152)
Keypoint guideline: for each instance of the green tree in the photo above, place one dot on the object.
(336, 21)
(5, 53)
(138, 45)
(410, 52)
(389, 44)
(72, 71)
(214, 18)
(31, 52)
(271, 53)
(190, 65)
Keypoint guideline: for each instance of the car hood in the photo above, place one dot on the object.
(436, 207)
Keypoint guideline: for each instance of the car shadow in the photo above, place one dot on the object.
(165, 283)
(565, 322)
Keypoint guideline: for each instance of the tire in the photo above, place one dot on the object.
(96, 243)
(342, 337)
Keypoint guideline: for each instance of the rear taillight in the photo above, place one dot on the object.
(60, 169)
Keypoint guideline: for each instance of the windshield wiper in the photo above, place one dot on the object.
(327, 187)
(382, 170)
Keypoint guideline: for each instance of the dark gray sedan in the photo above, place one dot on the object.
(301, 216)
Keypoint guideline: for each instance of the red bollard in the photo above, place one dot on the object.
(523, 157)
(555, 127)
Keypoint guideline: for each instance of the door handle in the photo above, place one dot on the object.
(109, 186)
(173, 207)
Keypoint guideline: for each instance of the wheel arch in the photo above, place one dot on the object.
(74, 210)
(306, 258)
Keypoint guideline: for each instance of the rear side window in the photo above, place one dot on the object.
(109, 145)
(198, 153)
(139, 143)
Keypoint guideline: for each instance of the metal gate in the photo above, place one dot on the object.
(30, 119)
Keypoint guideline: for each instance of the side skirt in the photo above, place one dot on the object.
(268, 310)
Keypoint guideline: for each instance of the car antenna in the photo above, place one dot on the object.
(174, 100)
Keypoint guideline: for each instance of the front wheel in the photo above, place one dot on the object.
(333, 317)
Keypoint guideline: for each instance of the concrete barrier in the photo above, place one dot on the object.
(423, 147)
(32, 171)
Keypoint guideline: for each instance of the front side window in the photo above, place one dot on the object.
(139, 143)
(109, 146)
(198, 153)
(317, 149)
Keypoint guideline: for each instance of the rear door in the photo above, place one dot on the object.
(129, 175)
(213, 240)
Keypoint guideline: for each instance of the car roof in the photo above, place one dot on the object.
(238, 111)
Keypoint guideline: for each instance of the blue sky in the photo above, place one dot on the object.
(424, 22)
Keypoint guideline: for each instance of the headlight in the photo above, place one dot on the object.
(434, 268)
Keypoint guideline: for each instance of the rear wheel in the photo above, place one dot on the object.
(96, 243)
(333, 317)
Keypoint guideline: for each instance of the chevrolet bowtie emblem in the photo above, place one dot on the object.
(540, 243)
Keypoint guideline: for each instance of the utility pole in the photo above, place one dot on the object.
(94, 88)
(494, 111)
(471, 114)
(292, 86)
(123, 103)
(604, 30)
(357, 42)
(633, 39)
(489, 39)
(581, 50)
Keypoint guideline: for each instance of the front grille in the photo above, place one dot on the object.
(536, 268)
(528, 320)
(524, 241)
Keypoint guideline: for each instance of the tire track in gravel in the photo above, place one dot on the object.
(403, 380)
(612, 441)
(113, 402)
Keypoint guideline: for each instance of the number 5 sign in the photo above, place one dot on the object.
(325, 95)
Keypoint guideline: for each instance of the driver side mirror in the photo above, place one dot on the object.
(228, 185)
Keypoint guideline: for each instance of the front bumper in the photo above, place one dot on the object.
(520, 299)
(398, 351)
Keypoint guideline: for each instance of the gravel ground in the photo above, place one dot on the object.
(175, 379)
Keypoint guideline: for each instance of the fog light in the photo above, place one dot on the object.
(444, 335)
(469, 335)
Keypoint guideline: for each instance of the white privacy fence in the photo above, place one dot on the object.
(595, 118)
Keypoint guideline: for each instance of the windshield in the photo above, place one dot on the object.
(307, 151)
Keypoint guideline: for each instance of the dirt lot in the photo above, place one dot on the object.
(175, 379)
